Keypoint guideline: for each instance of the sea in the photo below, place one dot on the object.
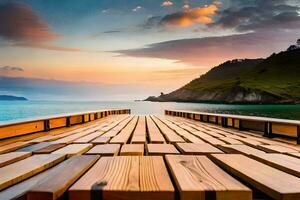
(22, 110)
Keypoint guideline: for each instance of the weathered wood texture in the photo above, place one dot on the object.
(199, 178)
(154, 133)
(129, 177)
(139, 133)
(73, 149)
(132, 150)
(56, 183)
(169, 134)
(105, 150)
(142, 174)
(8, 158)
(161, 149)
(23, 169)
(197, 149)
(275, 183)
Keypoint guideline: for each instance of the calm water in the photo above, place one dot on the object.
(10, 110)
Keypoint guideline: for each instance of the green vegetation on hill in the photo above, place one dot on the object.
(275, 79)
(278, 75)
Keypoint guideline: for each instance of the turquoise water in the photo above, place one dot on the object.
(18, 110)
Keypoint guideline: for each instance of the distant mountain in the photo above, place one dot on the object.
(12, 98)
(271, 80)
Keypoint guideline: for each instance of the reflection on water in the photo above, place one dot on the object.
(10, 110)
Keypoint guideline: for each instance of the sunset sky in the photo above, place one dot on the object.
(137, 47)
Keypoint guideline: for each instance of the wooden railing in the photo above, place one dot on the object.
(269, 126)
(17, 128)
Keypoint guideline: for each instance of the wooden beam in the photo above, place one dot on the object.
(60, 179)
(137, 178)
(197, 178)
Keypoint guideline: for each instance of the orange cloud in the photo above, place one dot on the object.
(20, 23)
(25, 28)
(188, 17)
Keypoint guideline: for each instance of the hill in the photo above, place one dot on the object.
(271, 80)
(11, 98)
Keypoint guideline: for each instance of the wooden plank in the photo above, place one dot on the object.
(71, 138)
(188, 136)
(116, 129)
(154, 133)
(18, 171)
(62, 178)
(213, 141)
(73, 149)
(229, 140)
(169, 134)
(132, 150)
(292, 146)
(112, 132)
(125, 177)
(201, 134)
(21, 129)
(276, 149)
(57, 122)
(161, 149)
(282, 162)
(101, 140)
(88, 138)
(13, 146)
(27, 137)
(49, 149)
(273, 182)
(297, 155)
(34, 147)
(139, 133)
(214, 133)
(264, 140)
(105, 149)
(247, 141)
(240, 148)
(19, 190)
(197, 177)
(197, 149)
(125, 133)
(8, 158)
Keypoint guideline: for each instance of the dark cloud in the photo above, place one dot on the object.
(113, 31)
(20, 23)
(23, 27)
(260, 15)
(11, 69)
(210, 51)
(153, 21)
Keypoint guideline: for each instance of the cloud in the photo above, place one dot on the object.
(113, 31)
(20, 23)
(186, 17)
(152, 22)
(136, 9)
(167, 3)
(261, 15)
(210, 51)
(23, 27)
(48, 47)
(11, 69)
(105, 11)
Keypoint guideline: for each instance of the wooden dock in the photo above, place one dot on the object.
(112, 154)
